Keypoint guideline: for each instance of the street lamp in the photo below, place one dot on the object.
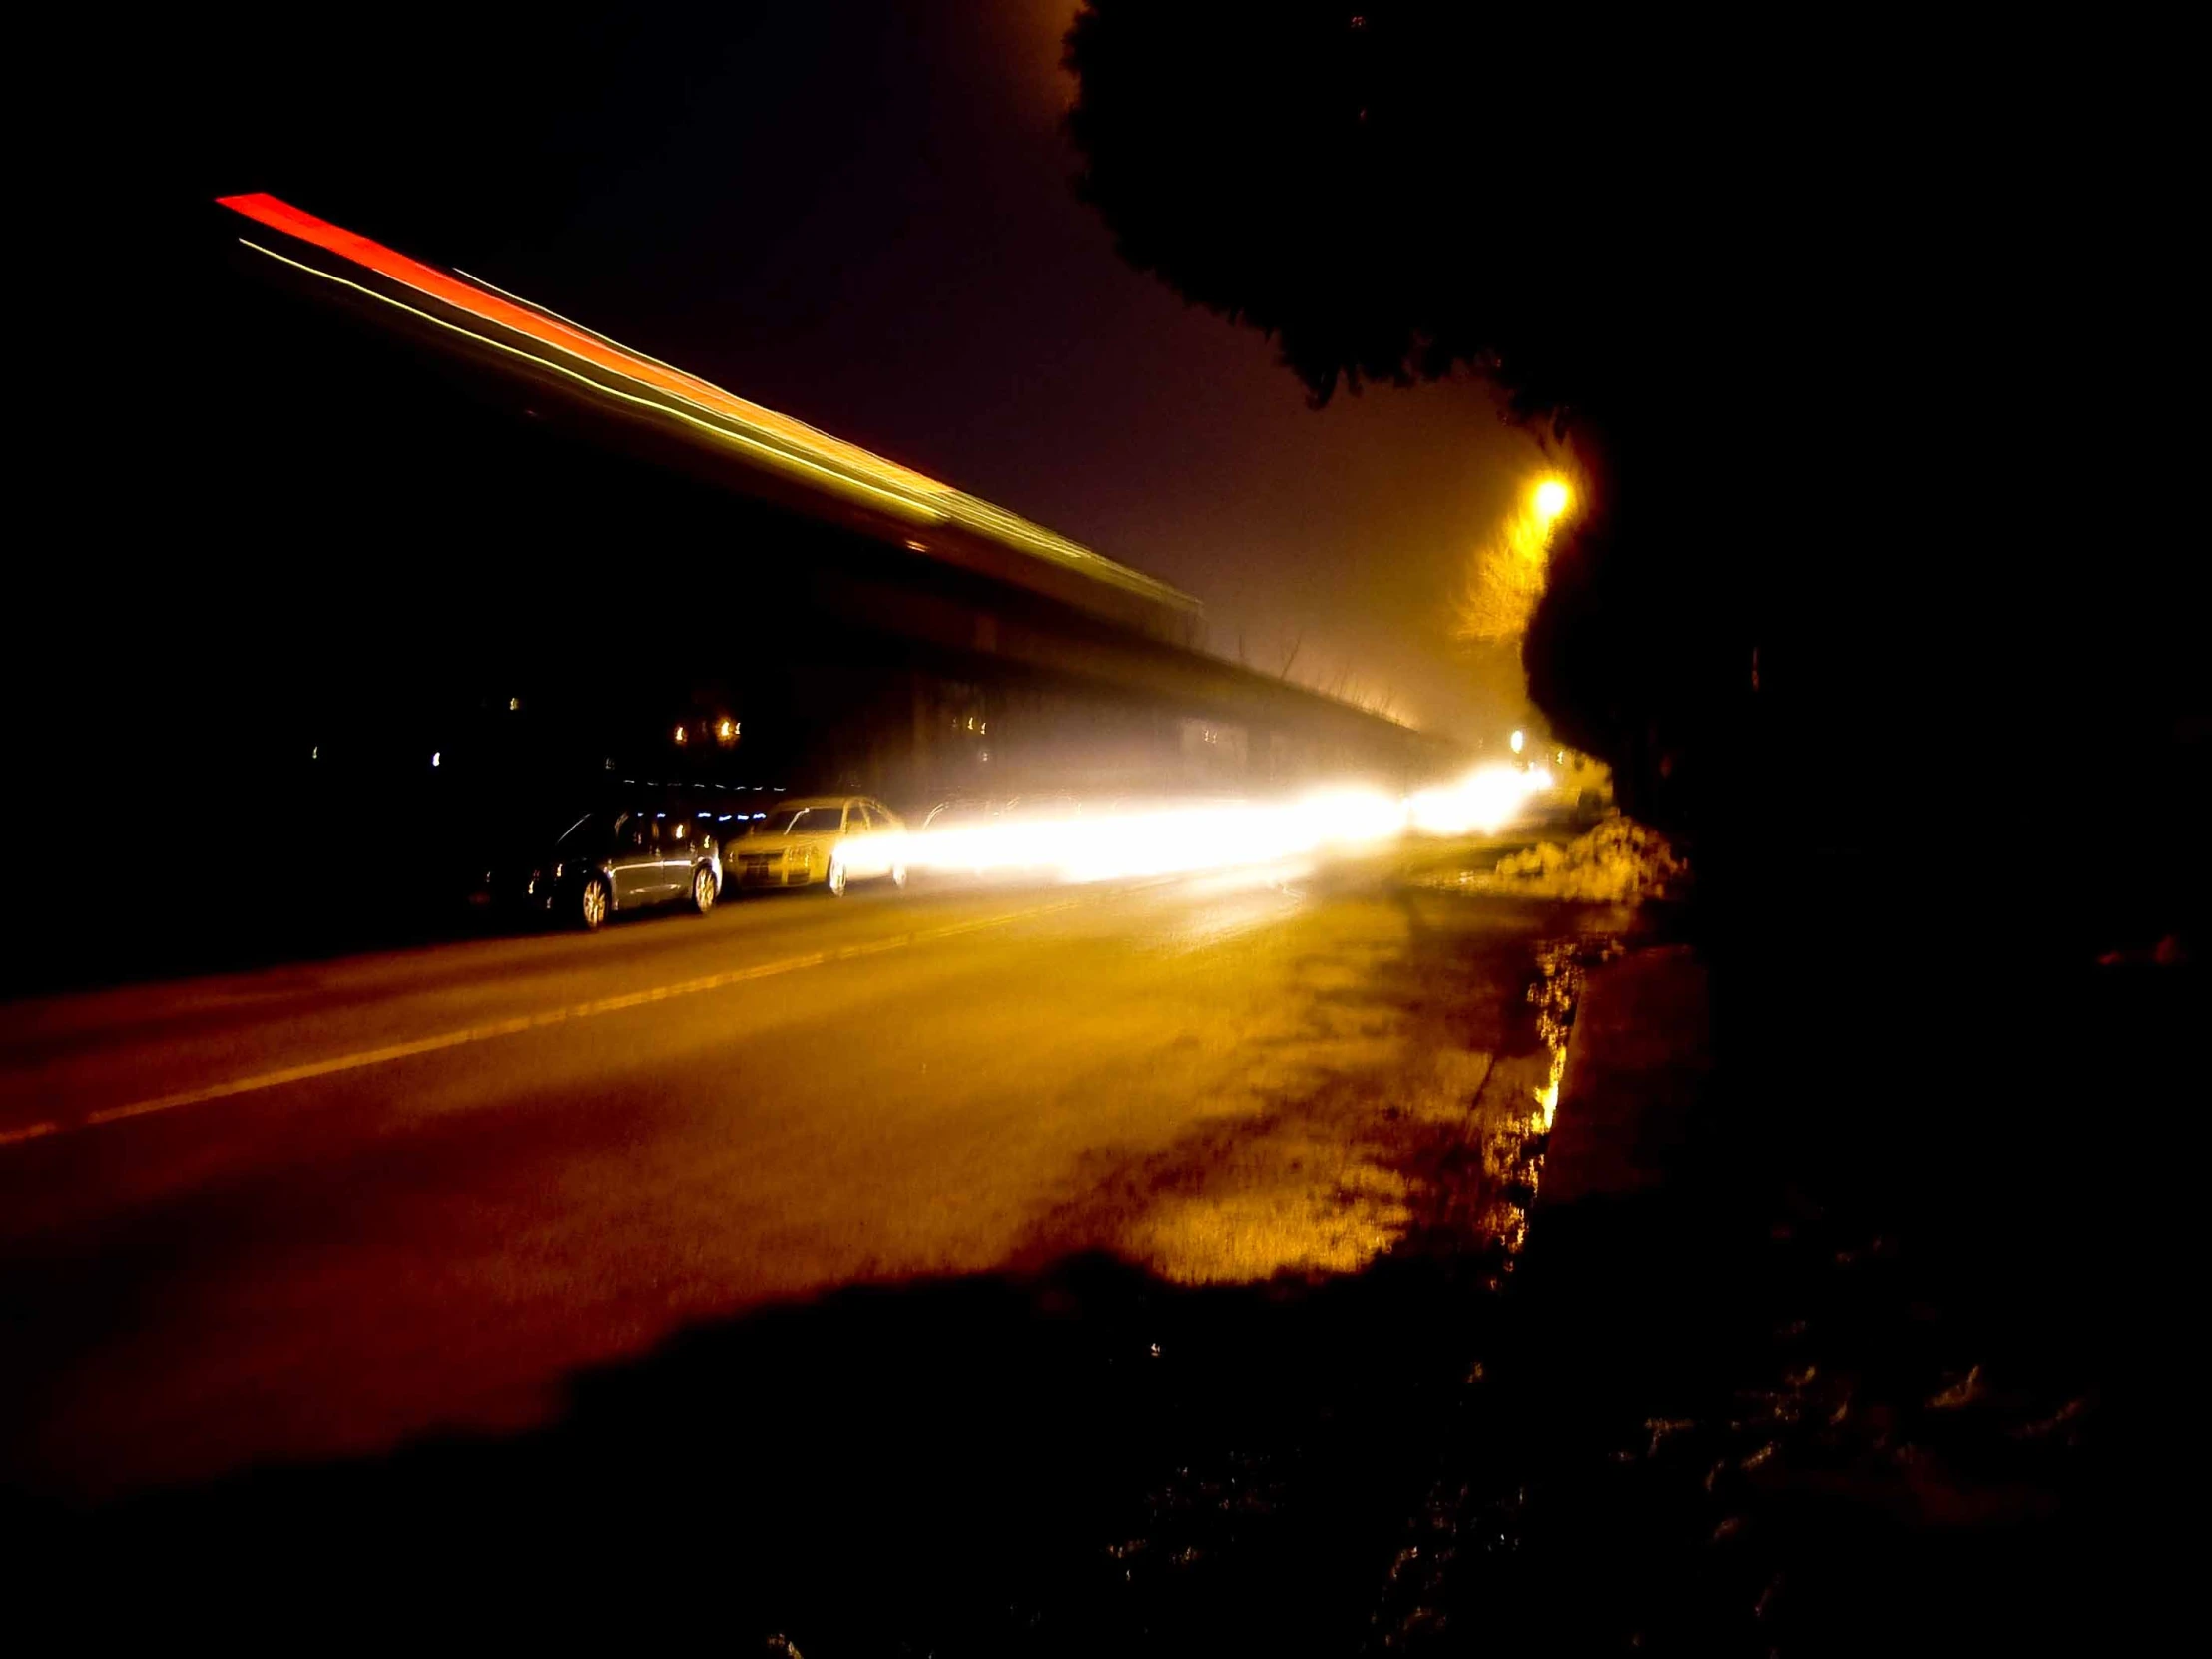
(1518, 740)
(1552, 499)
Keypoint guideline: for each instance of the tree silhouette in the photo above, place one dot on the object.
(1331, 175)
(1786, 293)
(1394, 192)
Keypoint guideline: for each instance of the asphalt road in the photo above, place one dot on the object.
(318, 1213)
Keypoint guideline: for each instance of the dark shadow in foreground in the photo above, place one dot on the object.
(1090, 1461)
(1095, 1461)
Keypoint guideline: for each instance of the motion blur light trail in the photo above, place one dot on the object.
(1488, 799)
(1116, 842)
(760, 431)
(1112, 843)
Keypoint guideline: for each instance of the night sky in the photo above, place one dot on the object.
(859, 213)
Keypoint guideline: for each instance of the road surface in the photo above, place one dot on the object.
(307, 1216)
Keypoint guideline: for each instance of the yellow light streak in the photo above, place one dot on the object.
(1183, 837)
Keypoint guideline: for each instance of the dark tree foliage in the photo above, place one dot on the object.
(1601, 220)
(1838, 317)
(1388, 191)
(1638, 238)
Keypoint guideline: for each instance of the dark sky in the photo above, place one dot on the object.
(859, 213)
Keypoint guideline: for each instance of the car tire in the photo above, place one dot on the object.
(704, 891)
(833, 879)
(593, 904)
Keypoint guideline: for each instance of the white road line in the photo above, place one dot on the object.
(526, 1022)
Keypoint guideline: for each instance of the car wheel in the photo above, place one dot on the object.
(899, 876)
(835, 881)
(703, 893)
(591, 905)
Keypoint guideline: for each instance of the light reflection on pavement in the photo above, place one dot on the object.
(1221, 1081)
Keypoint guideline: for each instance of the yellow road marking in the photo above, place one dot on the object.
(527, 1023)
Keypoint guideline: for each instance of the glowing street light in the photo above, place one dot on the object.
(1552, 498)
(1518, 740)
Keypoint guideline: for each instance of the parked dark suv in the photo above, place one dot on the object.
(617, 859)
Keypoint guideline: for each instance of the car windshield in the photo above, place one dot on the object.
(959, 815)
(804, 820)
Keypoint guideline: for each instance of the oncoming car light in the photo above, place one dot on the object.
(1488, 799)
(1120, 842)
